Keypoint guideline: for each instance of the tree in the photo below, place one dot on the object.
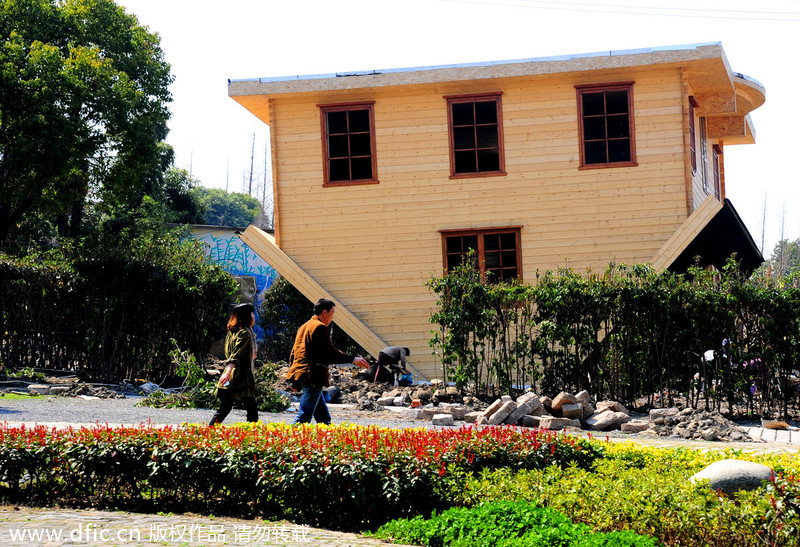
(83, 95)
(224, 209)
(785, 258)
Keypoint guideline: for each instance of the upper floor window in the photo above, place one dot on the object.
(348, 144)
(692, 134)
(476, 135)
(717, 150)
(605, 118)
(497, 251)
(704, 156)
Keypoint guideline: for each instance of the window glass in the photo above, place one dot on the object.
(475, 135)
(348, 143)
(606, 125)
(497, 252)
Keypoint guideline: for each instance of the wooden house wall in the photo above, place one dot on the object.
(374, 246)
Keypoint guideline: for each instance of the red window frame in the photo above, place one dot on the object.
(609, 117)
(482, 151)
(347, 139)
(492, 248)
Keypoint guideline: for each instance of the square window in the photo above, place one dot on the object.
(497, 251)
(348, 143)
(476, 137)
(605, 119)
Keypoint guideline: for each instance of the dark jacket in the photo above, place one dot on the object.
(239, 349)
(311, 354)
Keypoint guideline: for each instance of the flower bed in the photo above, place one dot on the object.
(340, 477)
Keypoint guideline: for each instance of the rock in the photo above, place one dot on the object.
(531, 421)
(506, 398)
(634, 427)
(437, 383)
(452, 391)
(583, 397)
(554, 424)
(413, 414)
(58, 390)
(519, 412)
(494, 407)
(663, 412)
(398, 401)
(607, 419)
(422, 394)
(588, 410)
(562, 399)
(502, 413)
(471, 417)
(611, 405)
(442, 419)
(386, 401)
(730, 476)
(430, 412)
(526, 397)
(572, 411)
(697, 424)
(38, 389)
(459, 412)
(538, 411)
(481, 420)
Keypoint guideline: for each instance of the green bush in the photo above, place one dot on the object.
(340, 477)
(108, 310)
(505, 524)
(198, 390)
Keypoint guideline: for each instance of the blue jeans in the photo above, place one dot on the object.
(312, 404)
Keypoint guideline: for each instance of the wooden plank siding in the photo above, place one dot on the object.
(373, 247)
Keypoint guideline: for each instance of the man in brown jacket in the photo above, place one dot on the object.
(312, 353)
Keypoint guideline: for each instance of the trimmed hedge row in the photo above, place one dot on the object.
(346, 478)
(628, 333)
(111, 313)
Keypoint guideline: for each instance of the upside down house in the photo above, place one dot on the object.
(384, 179)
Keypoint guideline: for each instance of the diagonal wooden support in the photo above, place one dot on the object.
(263, 244)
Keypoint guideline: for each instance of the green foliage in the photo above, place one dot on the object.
(785, 258)
(505, 524)
(199, 390)
(226, 209)
(109, 309)
(283, 311)
(83, 95)
(26, 373)
(629, 333)
(275, 471)
(649, 493)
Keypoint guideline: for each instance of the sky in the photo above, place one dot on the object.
(216, 140)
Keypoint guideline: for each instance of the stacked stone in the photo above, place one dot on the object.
(694, 424)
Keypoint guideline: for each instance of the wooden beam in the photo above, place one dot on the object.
(686, 233)
(263, 244)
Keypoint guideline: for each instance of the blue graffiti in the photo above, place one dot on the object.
(238, 259)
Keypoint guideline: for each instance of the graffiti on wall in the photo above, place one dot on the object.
(226, 249)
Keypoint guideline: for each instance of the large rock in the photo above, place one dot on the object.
(572, 411)
(730, 476)
(491, 409)
(606, 420)
(502, 413)
(554, 424)
(442, 419)
(634, 427)
(531, 421)
(611, 405)
(471, 417)
(526, 397)
(583, 397)
(657, 413)
(562, 399)
(519, 412)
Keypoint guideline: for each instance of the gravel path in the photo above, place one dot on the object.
(74, 410)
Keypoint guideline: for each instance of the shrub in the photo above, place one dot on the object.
(368, 474)
(505, 524)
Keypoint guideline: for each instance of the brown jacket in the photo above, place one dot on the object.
(311, 354)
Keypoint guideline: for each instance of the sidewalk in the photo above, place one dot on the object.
(25, 526)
